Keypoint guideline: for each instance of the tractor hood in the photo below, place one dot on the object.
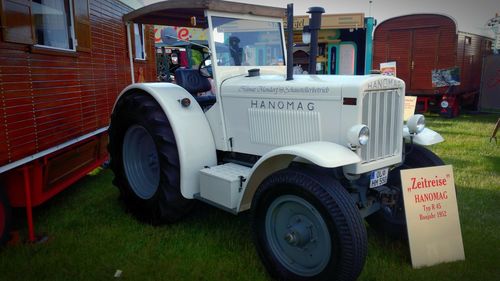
(310, 86)
(264, 112)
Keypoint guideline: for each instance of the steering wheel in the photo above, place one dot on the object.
(205, 70)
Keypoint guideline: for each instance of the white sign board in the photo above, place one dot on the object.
(409, 109)
(432, 216)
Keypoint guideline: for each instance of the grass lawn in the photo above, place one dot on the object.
(90, 236)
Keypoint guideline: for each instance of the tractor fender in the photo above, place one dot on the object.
(195, 142)
(426, 137)
(323, 154)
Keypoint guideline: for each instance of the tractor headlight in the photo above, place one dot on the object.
(358, 135)
(416, 123)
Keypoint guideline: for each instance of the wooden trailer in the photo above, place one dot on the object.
(422, 43)
(62, 65)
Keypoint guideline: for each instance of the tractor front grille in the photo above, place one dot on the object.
(382, 113)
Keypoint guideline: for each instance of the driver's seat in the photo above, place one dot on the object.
(192, 81)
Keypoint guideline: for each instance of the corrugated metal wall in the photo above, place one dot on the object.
(47, 99)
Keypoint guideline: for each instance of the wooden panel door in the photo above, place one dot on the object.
(424, 58)
(399, 45)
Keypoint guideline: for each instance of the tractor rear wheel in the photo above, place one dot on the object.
(306, 226)
(5, 217)
(391, 220)
(145, 160)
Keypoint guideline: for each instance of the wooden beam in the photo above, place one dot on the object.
(197, 8)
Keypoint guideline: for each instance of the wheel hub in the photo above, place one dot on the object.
(140, 161)
(299, 233)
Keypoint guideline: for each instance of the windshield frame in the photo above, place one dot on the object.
(247, 42)
(222, 72)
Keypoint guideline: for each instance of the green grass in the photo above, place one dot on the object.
(90, 236)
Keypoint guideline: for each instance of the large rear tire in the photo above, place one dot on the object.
(306, 226)
(145, 160)
(391, 220)
(5, 218)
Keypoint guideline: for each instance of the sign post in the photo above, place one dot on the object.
(432, 218)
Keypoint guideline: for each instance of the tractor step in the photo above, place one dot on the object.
(223, 184)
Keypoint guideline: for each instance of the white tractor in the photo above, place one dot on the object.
(310, 156)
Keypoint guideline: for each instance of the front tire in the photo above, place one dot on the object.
(305, 225)
(145, 160)
(391, 220)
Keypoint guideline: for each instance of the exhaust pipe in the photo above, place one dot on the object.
(314, 27)
(289, 42)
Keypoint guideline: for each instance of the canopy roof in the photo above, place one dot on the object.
(179, 12)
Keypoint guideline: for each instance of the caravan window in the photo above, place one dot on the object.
(140, 52)
(53, 23)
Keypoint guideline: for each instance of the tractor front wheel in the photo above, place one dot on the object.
(305, 225)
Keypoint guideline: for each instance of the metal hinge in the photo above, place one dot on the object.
(242, 180)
